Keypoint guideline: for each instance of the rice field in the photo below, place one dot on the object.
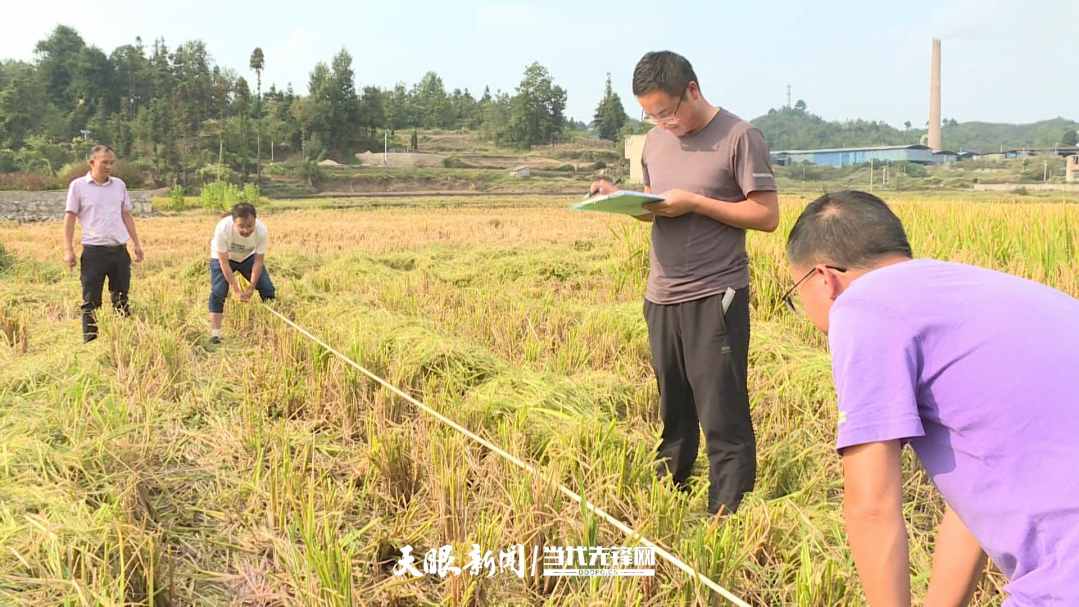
(151, 468)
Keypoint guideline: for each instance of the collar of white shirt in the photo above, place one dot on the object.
(90, 179)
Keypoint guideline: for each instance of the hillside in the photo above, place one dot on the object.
(452, 161)
(987, 137)
(795, 128)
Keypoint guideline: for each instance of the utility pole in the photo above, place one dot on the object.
(872, 169)
(385, 146)
(788, 95)
(1045, 170)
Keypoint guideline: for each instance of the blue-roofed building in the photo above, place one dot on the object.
(838, 157)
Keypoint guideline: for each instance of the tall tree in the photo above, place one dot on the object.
(258, 61)
(431, 97)
(243, 100)
(372, 114)
(610, 115)
(22, 108)
(131, 77)
(538, 108)
(335, 105)
(495, 118)
(57, 58)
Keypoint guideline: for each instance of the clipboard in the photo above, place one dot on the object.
(622, 202)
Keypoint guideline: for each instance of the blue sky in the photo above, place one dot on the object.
(1003, 60)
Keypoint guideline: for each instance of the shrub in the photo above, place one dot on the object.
(251, 194)
(72, 171)
(7, 162)
(32, 161)
(217, 172)
(126, 171)
(30, 182)
(311, 172)
(219, 196)
(179, 203)
(913, 170)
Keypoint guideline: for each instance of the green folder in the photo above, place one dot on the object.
(624, 202)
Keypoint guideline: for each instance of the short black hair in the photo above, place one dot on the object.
(244, 210)
(100, 148)
(663, 70)
(852, 229)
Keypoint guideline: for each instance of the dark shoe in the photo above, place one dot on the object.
(215, 340)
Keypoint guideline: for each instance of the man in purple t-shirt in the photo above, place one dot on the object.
(978, 371)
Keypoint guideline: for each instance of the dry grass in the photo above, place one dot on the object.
(266, 472)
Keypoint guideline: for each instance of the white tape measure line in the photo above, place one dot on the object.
(677, 562)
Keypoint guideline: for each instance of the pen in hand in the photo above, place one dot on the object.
(591, 193)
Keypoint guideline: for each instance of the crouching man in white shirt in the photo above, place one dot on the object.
(238, 245)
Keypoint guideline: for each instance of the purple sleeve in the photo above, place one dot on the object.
(753, 164)
(73, 202)
(875, 361)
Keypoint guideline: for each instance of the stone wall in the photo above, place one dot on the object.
(49, 206)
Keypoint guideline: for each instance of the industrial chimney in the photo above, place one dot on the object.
(934, 100)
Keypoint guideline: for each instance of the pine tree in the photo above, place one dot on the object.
(610, 115)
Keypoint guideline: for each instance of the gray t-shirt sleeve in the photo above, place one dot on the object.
(752, 163)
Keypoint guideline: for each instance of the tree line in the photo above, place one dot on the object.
(795, 128)
(175, 112)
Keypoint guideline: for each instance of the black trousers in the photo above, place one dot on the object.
(96, 264)
(700, 357)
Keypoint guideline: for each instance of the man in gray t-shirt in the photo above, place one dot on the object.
(714, 170)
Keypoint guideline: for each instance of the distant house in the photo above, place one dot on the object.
(634, 149)
(521, 171)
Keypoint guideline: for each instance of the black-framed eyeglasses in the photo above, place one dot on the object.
(645, 117)
(788, 297)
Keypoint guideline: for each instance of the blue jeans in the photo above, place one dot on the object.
(219, 287)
